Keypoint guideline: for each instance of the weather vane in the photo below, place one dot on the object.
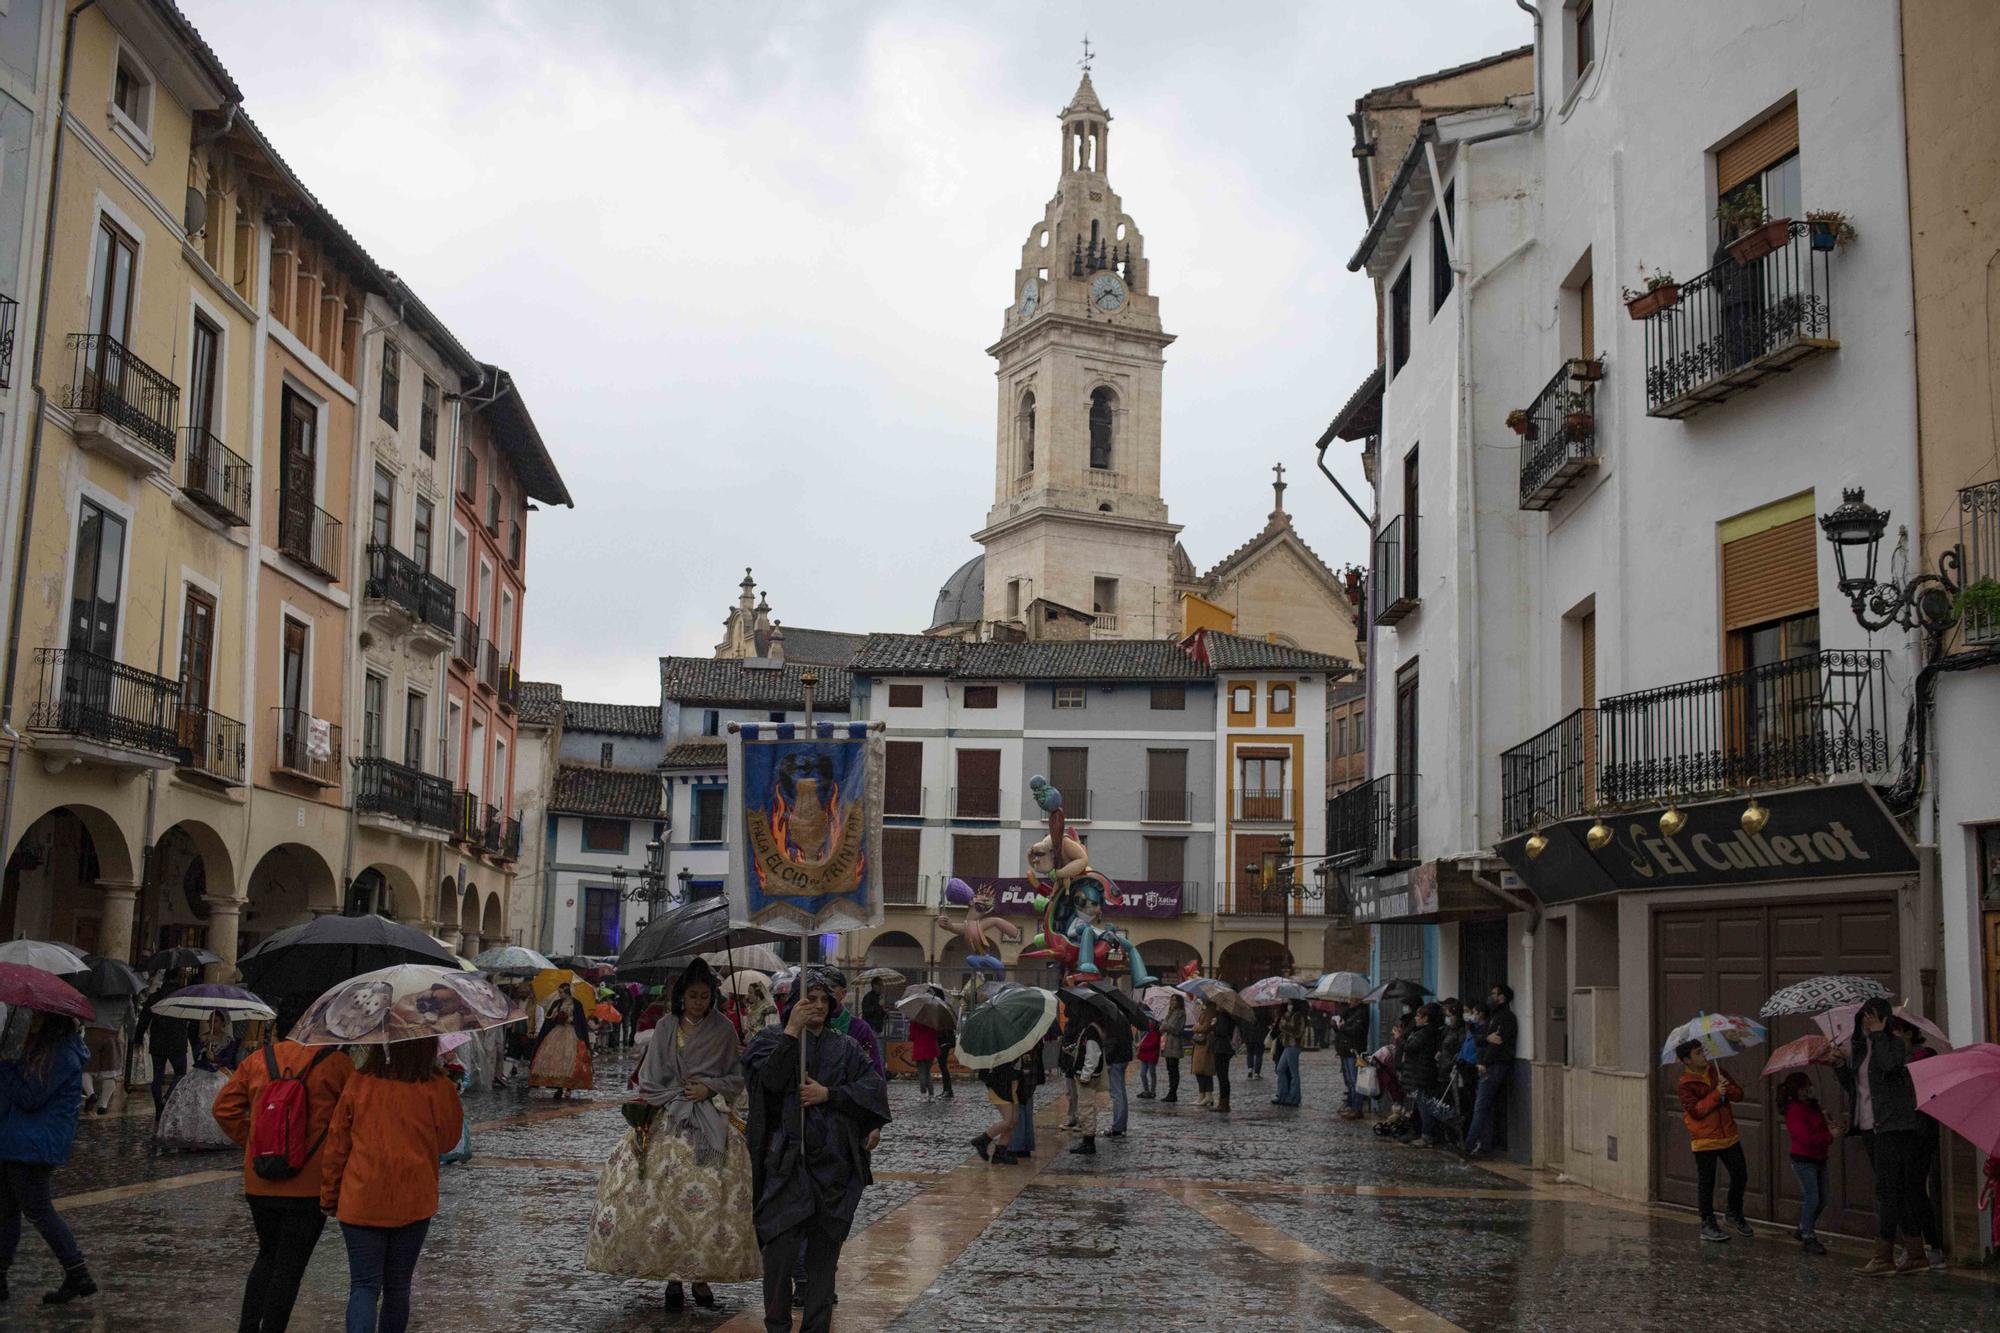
(1085, 62)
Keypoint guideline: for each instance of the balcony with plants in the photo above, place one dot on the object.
(1979, 546)
(1558, 433)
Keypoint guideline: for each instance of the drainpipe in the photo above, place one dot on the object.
(207, 137)
(35, 436)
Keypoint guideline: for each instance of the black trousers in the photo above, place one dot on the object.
(1901, 1201)
(1222, 1081)
(288, 1230)
(1174, 1079)
(819, 1241)
(1731, 1160)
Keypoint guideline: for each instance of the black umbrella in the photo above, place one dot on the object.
(179, 960)
(1396, 991)
(1094, 1002)
(697, 927)
(107, 978)
(313, 958)
(1134, 1013)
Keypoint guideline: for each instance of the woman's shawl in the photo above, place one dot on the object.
(707, 1056)
(824, 1176)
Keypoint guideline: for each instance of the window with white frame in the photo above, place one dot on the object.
(1069, 696)
(132, 97)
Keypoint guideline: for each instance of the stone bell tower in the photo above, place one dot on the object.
(1077, 517)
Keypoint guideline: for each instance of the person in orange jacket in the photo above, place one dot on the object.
(285, 1212)
(1706, 1092)
(398, 1115)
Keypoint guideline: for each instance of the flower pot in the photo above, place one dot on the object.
(1824, 235)
(1753, 245)
(1650, 303)
(1517, 421)
(1586, 369)
(1579, 425)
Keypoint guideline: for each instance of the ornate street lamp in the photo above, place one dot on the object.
(1924, 602)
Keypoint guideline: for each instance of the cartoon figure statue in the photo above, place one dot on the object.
(1074, 928)
(980, 928)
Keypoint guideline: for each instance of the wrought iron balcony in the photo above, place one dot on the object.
(466, 649)
(1374, 823)
(975, 803)
(115, 389)
(1979, 545)
(1249, 897)
(1551, 775)
(1736, 325)
(212, 745)
(467, 822)
(491, 834)
(309, 535)
(1076, 805)
(308, 748)
(95, 699)
(10, 313)
(510, 840)
(1166, 807)
(509, 688)
(1264, 805)
(1804, 719)
(214, 477)
(489, 665)
(1558, 437)
(385, 787)
(904, 801)
(395, 580)
(905, 890)
(1394, 574)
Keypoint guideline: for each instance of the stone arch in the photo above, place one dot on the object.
(900, 950)
(468, 921)
(1024, 431)
(1103, 417)
(1251, 960)
(50, 887)
(385, 889)
(289, 885)
(116, 858)
(1166, 956)
(191, 863)
(492, 926)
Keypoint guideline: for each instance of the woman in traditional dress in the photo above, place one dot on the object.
(674, 1202)
(186, 1122)
(562, 1052)
(762, 1010)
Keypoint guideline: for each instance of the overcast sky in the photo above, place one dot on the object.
(744, 259)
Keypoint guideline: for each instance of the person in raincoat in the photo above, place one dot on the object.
(41, 1095)
(810, 1139)
(562, 1051)
(674, 1201)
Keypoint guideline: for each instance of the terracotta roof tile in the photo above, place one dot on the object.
(708, 752)
(612, 719)
(628, 792)
(1236, 652)
(539, 703)
(729, 682)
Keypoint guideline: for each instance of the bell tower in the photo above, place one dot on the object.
(1077, 517)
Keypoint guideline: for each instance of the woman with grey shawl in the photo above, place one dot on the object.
(674, 1202)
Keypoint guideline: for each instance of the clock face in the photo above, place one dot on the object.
(1031, 295)
(1107, 292)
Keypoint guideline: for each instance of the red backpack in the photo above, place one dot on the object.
(278, 1122)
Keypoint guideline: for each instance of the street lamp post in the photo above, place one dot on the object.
(1925, 601)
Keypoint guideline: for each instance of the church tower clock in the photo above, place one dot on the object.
(1077, 519)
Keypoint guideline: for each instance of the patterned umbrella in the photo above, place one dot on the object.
(1272, 991)
(403, 1003)
(511, 960)
(1007, 1028)
(1812, 1050)
(1341, 986)
(1220, 994)
(200, 1001)
(1721, 1035)
(41, 990)
(1816, 995)
(1838, 1025)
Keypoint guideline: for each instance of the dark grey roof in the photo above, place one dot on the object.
(1086, 659)
(962, 600)
(1405, 173)
(1237, 652)
(1361, 415)
(539, 703)
(612, 719)
(519, 438)
(906, 655)
(821, 647)
(728, 682)
(1452, 71)
(628, 792)
(707, 752)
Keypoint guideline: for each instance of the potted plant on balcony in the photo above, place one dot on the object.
(1757, 233)
(1518, 421)
(1830, 229)
(1579, 423)
(1661, 292)
(1587, 369)
(1979, 604)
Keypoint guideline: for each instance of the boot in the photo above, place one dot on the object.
(1088, 1148)
(76, 1282)
(1913, 1261)
(981, 1145)
(1882, 1263)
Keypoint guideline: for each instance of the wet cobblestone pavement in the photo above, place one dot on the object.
(1273, 1218)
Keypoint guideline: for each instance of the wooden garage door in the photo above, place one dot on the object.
(1728, 960)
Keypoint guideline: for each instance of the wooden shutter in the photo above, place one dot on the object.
(1586, 324)
(1757, 148)
(1587, 652)
(903, 778)
(975, 856)
(1166, 859)
(906, 696)
(1769, 575)
(1069, 772)
(901, 857)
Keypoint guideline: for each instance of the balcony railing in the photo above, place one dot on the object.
(394, 578)
(510, 840)
(467, 822)
(509, 687)
(1550, 776)
(439, 599)
(116, 385)
(95, 698)
(214, 477)
(1738, 324)
(1375, 822)
(1249, 897)
(1559, 441)
(1267, 805)
(385, 787)
(1166, 807)
(212, 744)
(492, 834)
(466, 649)
(10, 313)
(489, 664)
(309, 535)
(308, 748)
(907, 802)
(1979, 542)
(975, 803)
(1105, 622)
(1803, 719)
(1393, 575)
(1076, 805)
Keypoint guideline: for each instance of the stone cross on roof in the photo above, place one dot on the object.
(1278, 486)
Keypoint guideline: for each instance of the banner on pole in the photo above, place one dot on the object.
(806, 832)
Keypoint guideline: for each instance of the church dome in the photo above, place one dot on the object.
(962, 600)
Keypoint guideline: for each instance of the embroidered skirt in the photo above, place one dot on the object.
(561, 1064)
(665, 1214)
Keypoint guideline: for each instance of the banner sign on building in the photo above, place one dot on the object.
(1138, 898)
(1834, 832)
(806, 839)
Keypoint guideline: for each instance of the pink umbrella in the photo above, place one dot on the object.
(1838, 1025)
(32, 988)
(1961, 1090)
(1809, 1050)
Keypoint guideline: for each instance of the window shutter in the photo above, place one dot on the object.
(1769, 575)
(903, 778)
(1757, 148)
(902, 856)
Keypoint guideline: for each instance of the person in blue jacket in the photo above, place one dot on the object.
(41, 1095)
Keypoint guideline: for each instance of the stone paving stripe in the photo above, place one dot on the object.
(1362, 1295)
(163, 1184)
